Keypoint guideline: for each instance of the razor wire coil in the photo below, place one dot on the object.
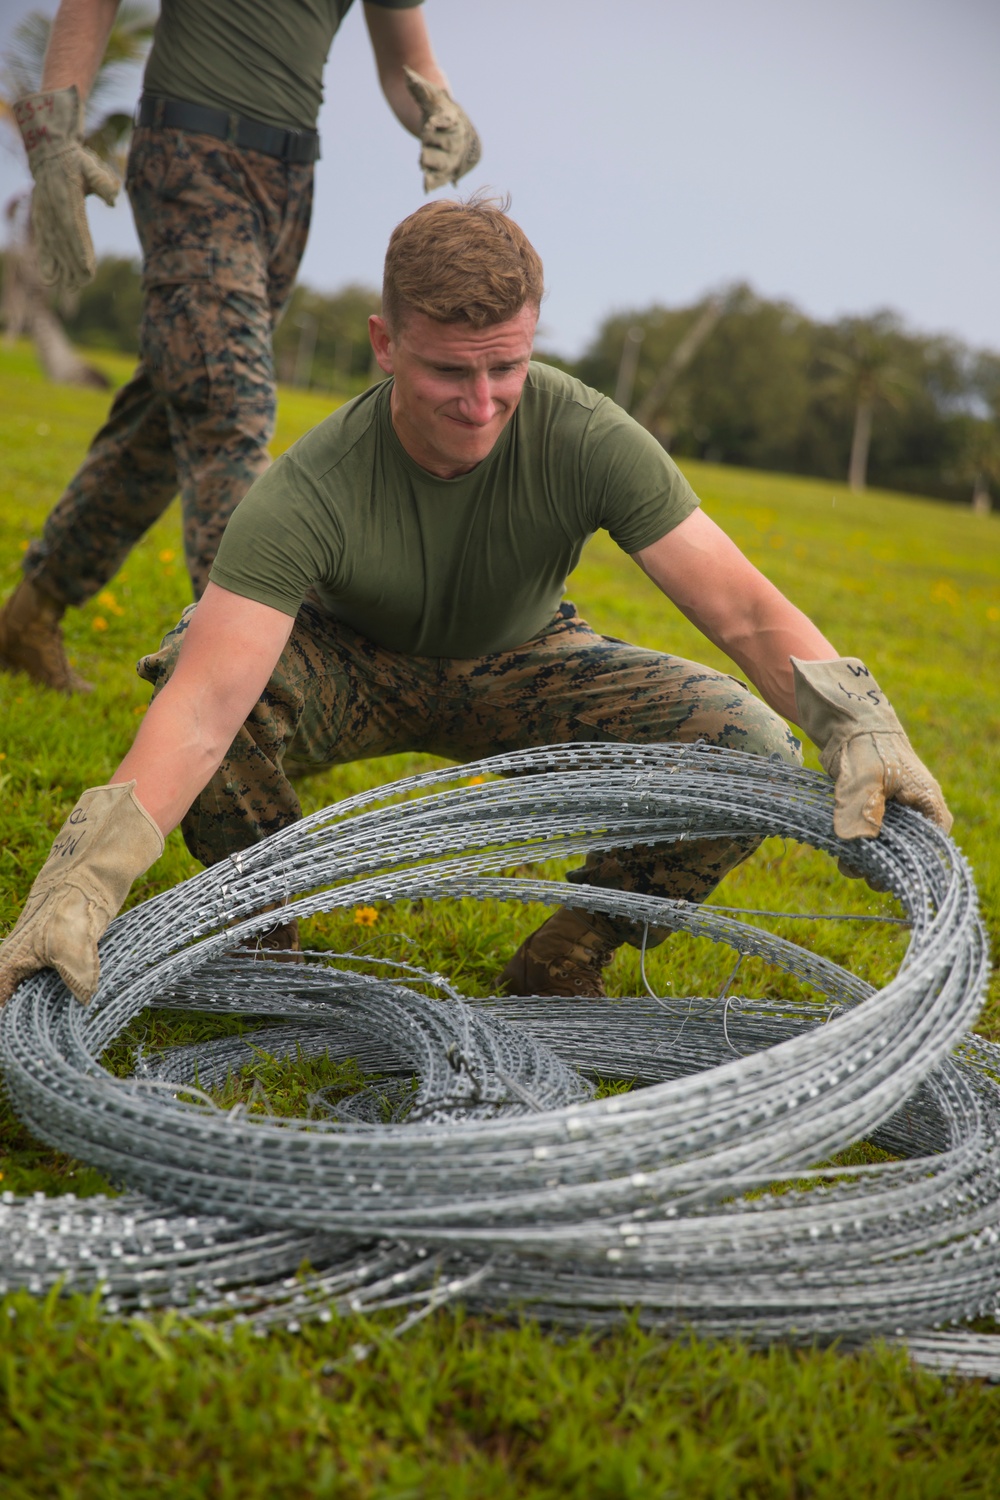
(482, 1166)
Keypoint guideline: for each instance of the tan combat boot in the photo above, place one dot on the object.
(565, 956)
(31, 640)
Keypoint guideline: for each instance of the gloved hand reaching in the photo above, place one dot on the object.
(450, 145)
(108, 840)
(863, 746)
(51, 125)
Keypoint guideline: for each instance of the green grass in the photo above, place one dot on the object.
(466, 1407)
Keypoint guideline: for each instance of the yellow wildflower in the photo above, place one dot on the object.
(475, 781)
(108, 601)
(365, 916)
(167, 555)
(98, 623)
(944, 592)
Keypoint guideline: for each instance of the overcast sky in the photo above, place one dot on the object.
(840, 154)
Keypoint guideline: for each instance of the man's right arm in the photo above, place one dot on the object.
(229, 652)
(77, 43)
(115, 832)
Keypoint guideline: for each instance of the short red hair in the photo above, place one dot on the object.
(460, 263)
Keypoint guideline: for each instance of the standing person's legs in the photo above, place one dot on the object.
(571, 684)
(125, 482)
(216, 278)
(222, 233)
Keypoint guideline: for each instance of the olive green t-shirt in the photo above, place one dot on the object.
(260, 58)
(450, 567)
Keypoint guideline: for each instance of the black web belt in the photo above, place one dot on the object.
(249, 135)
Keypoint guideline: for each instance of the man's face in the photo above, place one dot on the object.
(456, 387)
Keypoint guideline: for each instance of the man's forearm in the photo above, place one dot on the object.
(399, 39)
(174, 756)
(720, 591)
(764, 653)
(230, 647)
(77, 44)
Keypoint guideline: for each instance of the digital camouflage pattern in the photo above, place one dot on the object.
(222, 233)
(336, 696)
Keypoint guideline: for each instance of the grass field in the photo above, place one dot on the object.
(463, 1407)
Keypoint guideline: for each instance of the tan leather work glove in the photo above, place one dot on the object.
(863, 746)
(450, 145)
(65, 172)
(108, 840)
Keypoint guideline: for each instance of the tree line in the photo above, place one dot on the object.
(733, 378)
(736, 378)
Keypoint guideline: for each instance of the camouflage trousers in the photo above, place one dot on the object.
(336, 696)
(222, 233)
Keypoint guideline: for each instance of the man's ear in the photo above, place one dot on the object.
(381, 341)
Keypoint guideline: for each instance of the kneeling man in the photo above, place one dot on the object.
(395, 582)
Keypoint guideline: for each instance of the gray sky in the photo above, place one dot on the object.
(841, 154)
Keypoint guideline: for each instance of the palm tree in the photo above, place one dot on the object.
(26, 304)
(865, 372)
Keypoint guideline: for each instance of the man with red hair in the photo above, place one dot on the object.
(395, 582)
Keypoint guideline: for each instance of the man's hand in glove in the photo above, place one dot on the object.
(450, 145)
(863, 746)
(65, 172)
(108, 840)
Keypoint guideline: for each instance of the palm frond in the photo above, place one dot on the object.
(21, 72)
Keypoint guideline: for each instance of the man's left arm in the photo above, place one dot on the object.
(720, 591)
(799, 673)
(419, 94)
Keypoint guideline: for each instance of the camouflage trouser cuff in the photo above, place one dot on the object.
(159, 664)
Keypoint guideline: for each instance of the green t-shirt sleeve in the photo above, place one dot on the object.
(636, 490)
(281, 539)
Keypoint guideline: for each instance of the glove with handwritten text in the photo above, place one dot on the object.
(65, 171)
(108, 840)
(863, 746)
